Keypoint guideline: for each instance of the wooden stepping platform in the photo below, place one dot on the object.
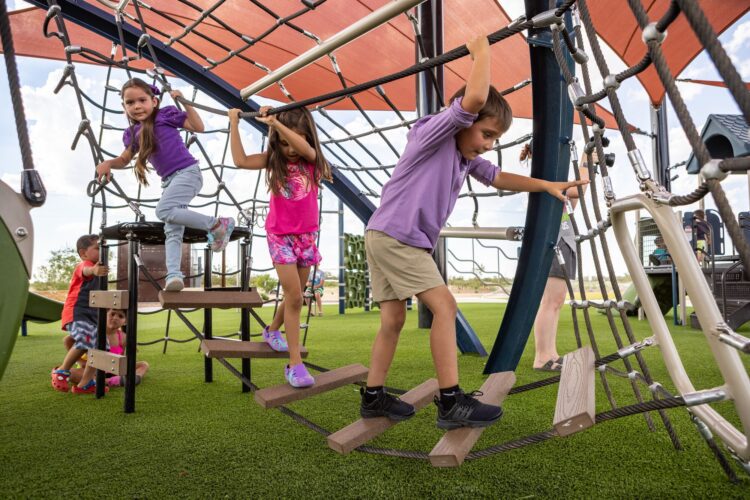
(326, 381)
(108, 362)
(225, 348)
(208, 299)
(109, 299)
(365, 429)
(453, 447)
(575, 409)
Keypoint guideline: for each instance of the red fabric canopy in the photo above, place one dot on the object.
(385, 50)
(712, 83)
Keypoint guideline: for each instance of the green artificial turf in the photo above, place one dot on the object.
(192, 439)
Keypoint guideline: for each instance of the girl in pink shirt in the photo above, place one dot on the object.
(294, 168)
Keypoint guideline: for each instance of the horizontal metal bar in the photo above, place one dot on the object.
(364, 25)
(485, 233)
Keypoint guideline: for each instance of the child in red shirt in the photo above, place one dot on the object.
(78, 319)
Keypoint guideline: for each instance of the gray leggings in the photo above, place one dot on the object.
(179, 188)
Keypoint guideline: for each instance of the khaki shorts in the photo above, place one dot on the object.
(397, 270)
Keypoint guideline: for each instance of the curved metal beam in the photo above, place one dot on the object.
(552, 130)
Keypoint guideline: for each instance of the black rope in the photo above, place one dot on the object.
(9, 53)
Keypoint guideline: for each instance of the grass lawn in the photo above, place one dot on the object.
(191, 439)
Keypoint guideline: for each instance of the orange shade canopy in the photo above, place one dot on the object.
(385, 50)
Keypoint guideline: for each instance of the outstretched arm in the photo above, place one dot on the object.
(572, 193)
(104, 169)
(255, 161)
(521, 183)
(478, 83)
(193, 121)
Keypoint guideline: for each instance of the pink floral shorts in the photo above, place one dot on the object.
(297, 249)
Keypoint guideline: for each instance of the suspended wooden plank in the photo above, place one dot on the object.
(109, 299)
(366, 429)
(108, 362)
(326, 381)
(210, 299)
(455, 444)
(576, 404)
(225, 348)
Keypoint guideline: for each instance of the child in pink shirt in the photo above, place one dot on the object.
(294, 167)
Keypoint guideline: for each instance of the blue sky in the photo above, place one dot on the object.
(53, 120)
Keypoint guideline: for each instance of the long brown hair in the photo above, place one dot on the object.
(146, 138)
(300, 120)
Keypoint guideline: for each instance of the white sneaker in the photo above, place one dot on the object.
(174, 284)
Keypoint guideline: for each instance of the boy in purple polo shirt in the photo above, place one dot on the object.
(441, 151)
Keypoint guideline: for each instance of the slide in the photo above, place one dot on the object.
(41, 309)
(16, 248)
(661, 284)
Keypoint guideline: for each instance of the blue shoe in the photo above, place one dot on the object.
(219, 236)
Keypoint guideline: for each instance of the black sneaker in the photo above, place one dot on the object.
(467, 412)
(385, 405)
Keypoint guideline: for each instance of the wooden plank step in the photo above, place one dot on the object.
(109, 299)
(208, 299)
(365, 429)
(272, 397)
(225, 348)
(110, 363)
(575, 409)
(455, 444)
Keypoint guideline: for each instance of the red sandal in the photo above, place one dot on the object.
(60, 379)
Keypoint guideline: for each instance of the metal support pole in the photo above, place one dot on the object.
(101, 325)
(429, 89)
(660, 146)
(208, 367)
(342, 277)
(245, 312)
(131, 340)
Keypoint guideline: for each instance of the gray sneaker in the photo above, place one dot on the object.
(174, 284)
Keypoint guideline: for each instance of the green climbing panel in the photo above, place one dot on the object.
(355, 271)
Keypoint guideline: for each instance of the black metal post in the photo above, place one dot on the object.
(342, 276)
(208, 366)
(101, 325)
(131, 341)
(245, 312)
(660, 146)
(430, 89)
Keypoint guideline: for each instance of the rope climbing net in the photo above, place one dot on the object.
(368, 167)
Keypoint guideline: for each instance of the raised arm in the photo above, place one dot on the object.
(295, 140)
(478, 83)
(255, 161)
(193, 121)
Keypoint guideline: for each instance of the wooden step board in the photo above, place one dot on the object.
(365, 429)
(455, 444)
(109, 299)
(108, 362)
(208, 299)
(326, 381)
(225, 348)
(575, 409)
